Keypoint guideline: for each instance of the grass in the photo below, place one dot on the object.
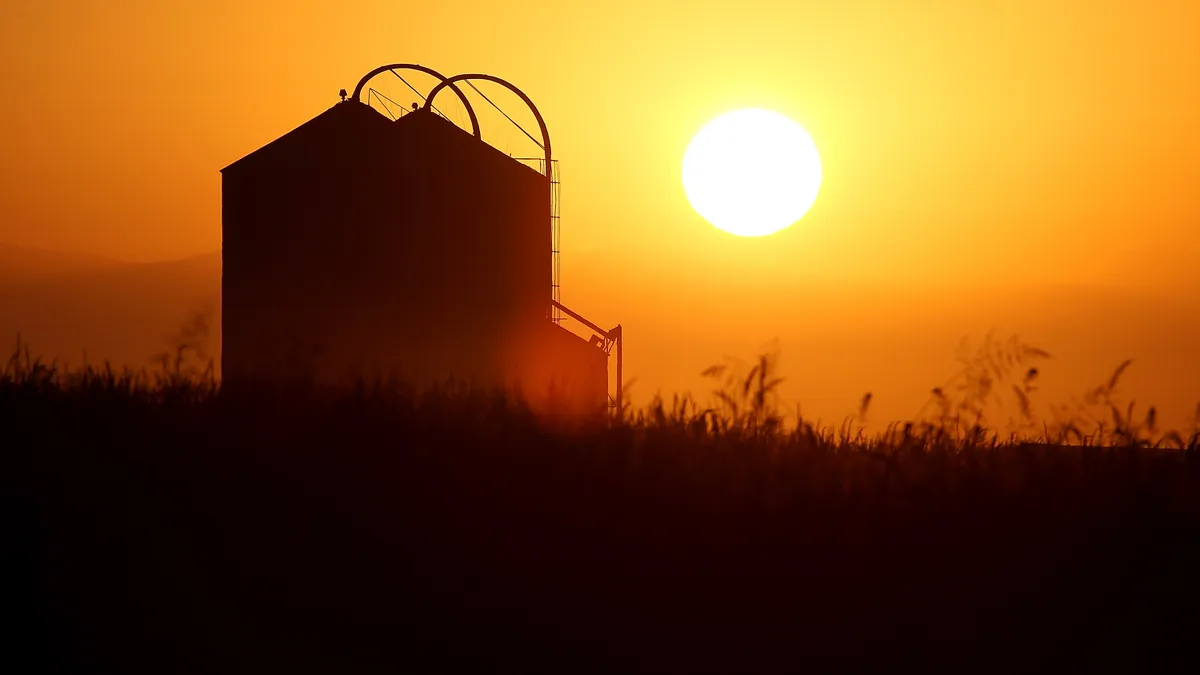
(159, 524)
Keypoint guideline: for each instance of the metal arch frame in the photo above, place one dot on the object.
(449, 82)
(443, 82)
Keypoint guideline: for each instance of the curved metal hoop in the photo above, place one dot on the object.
(443, 82)
(449, 82)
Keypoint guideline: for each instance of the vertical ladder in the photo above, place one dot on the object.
(555, 241)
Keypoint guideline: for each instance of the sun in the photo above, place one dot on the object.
(752, 172)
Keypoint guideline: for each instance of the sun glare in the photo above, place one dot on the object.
(752, 172)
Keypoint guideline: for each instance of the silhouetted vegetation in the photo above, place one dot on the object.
(161, 525)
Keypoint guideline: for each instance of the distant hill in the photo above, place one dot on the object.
(837, 341)
(19, 263)
(66, 306)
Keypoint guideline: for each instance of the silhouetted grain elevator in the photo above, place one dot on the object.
(360, 246)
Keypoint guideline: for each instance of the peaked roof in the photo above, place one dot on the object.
(353, 122)
(359, 119)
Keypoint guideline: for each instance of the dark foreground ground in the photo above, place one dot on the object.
(378, 535)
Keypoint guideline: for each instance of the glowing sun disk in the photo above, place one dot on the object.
(752, 172)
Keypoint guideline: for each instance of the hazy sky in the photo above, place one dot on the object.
(1004, 144)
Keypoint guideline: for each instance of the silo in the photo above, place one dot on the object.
(357, 246)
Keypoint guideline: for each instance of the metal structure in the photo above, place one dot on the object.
(606, 340)
(392, 68)
(557, 312)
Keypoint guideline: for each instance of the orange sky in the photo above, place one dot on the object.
(999, 144)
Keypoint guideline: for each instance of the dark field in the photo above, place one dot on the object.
(162, 527)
